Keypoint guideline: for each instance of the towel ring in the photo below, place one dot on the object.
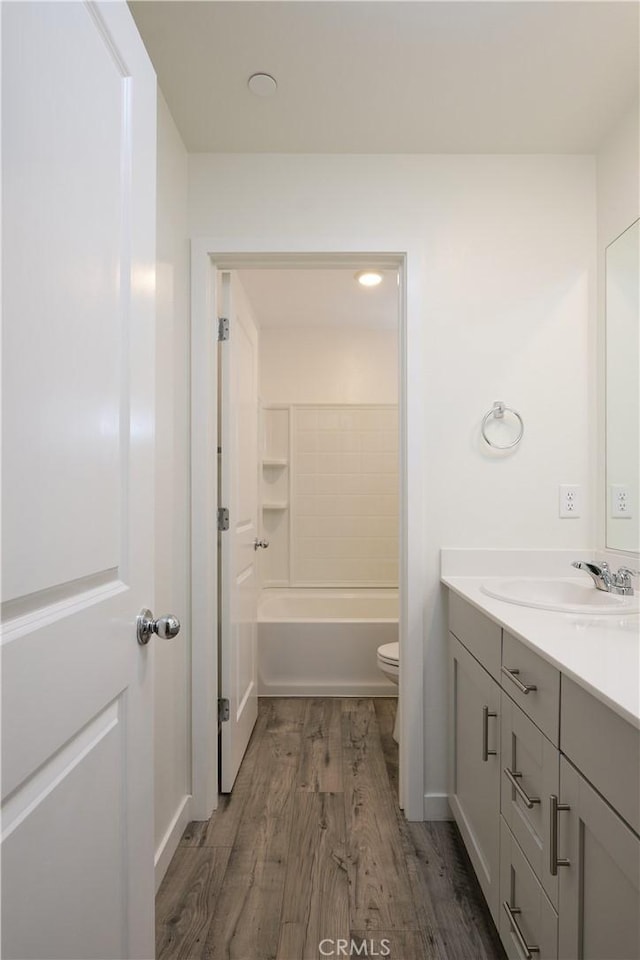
(498, 411)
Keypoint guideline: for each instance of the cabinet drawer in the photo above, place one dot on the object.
(604, 747)
(533, 921)
(532, 761)
(523, 669)
(481, 636)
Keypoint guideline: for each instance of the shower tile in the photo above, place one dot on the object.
(329, 484)
(328, 419)
(388, 506)
(379, 463)
(348, 420)
(306, 463)
(377, 483)
(344, 510)
(350, 441)
(307, 483)
(353, 484)
(329, 463)
(373, 441)
(374, 420)
(328, 441)
(388, 526)
(309, 526)
(306, 506)
(391, 441)
(388, 420)
(351, 463)
(306, 418)
(307, 441)
(309, 548)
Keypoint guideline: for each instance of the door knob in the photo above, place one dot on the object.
(257, 544)
(164, 627)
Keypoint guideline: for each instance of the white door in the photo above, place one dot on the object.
(78, 134)
(239, 494)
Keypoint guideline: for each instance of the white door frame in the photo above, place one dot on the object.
(207, 256)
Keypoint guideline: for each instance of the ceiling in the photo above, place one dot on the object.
(389, 76)
(320, 298)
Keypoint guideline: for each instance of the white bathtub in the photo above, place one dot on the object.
(323, 643)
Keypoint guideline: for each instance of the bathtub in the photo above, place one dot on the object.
(323, 642)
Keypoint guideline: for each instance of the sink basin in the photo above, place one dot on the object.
(566, 596)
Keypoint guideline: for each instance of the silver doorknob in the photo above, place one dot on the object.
(260, 544)
(164, 627)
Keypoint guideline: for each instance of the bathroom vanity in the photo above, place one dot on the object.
(545, 772)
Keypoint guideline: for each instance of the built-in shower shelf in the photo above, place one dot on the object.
(274, 463)
(275, 506)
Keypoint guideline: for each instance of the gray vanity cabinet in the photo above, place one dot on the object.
(545, 788)
(599, 893)
(475, 765)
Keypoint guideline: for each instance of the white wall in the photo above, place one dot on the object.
(328, 365)
(618, 197)
(618, 179)
(172, 658)
(500, 305)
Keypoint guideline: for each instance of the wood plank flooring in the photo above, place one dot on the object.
(311, 846)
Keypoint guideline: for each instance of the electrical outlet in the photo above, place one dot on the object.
(569, 501)
(621, 506)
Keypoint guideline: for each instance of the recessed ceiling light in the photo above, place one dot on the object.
(262, 84)
(369, 278)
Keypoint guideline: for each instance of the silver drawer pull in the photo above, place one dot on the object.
(486, 753)
(513, 676)
(513, 780)
(526, 948)
(554, 809)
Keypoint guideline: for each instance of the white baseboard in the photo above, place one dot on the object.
(311, 689)
(436, 806)
(169, 843)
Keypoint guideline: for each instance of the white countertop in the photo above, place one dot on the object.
(601, 653)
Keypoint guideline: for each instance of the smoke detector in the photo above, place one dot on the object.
(262, 85)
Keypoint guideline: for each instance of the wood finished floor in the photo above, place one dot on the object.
(311, 846)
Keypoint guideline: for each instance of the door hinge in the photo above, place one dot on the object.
(223, 709)
(223, 328)
(223, 518)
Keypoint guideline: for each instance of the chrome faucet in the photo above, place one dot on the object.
(619, 582)
(599, 573)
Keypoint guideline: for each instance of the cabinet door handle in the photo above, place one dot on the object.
(554, 809)
(513, 676)
(513, 780)
(526, 948)
(486, 753)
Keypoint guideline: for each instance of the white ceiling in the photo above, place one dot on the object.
(320, 298)
(391, 76)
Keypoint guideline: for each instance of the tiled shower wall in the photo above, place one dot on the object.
(343, 496)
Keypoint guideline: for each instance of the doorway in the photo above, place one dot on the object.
(206, 308)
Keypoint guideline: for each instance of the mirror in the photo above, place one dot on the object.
(622, 344)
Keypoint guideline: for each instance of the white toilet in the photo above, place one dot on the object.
(389, 664)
